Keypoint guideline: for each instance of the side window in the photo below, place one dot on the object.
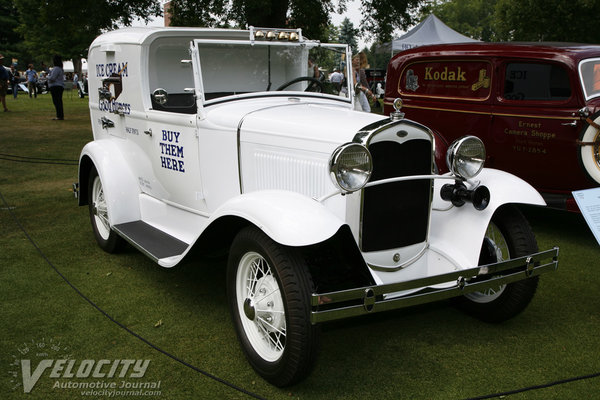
(536, 81)
(168, 73)
(589, 73)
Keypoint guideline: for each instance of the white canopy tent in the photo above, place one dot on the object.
(68, 66)
(430, 31)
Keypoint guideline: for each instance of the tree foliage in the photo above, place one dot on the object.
(348, 34)
(520, 20)
(382, 17)
(10, 40)
(204, 13)
(473, 18)
(67, 27)
(547, 20)
(310, 15)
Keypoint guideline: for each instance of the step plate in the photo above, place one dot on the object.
(156, 243)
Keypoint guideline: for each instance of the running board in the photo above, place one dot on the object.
(153, 242)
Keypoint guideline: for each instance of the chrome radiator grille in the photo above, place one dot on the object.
(397, 214)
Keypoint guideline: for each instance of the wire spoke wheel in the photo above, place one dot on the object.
(497, 244)
(268, 288)
(106, 238)
(101, 210)
(508, 236)
(259, 300)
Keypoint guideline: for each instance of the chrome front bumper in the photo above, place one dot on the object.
(353, 302)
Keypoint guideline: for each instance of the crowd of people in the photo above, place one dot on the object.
(53, 79)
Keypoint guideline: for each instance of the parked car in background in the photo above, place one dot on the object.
(42, 83)
(535, 106)
(211, 139)
(374, 77)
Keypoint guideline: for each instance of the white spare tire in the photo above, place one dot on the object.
(590, 150)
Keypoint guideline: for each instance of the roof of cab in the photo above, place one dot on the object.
(548, 50)
(140, 35)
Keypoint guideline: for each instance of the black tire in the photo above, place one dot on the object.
(107, 239)
(272, 325)
(508, 233)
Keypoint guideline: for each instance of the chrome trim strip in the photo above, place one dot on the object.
(491, 114)
(391, 180)
(525, 264)
(366, 134)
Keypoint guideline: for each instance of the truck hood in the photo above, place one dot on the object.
(302, 124)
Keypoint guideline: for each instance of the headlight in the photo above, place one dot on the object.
(466, 156)
(350, 167)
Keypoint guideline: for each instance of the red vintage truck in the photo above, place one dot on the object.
(535, 106)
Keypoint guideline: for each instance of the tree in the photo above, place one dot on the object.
(204, 13)
(67, 27)
(11, 42)
(547, 20)
(382, 17)
(520, 20)
(348, 35)
(378, 56)
(473, 18)
(310, 15)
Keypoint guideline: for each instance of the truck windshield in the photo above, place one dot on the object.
(240, 68)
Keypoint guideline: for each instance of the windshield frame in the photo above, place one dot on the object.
(196, 49)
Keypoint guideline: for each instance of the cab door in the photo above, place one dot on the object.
(171, 137)
(535, 124)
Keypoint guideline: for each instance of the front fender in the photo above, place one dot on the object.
(121, 188)
(458, 232)
(288, 218)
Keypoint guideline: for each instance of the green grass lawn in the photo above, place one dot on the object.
(427, 352)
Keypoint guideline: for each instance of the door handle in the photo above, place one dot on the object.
(572, 123)
(106, 123)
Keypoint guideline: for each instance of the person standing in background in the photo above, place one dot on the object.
(56, 84)
(75, 81)
(4, 76)
(31, 80)
(16, 77)
(361, 86)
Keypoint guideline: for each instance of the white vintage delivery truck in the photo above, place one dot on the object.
(235, 139)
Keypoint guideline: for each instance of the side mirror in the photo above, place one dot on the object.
(160, 96)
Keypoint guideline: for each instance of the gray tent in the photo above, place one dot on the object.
(430, 31)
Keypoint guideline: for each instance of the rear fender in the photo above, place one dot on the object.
(121, 189)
